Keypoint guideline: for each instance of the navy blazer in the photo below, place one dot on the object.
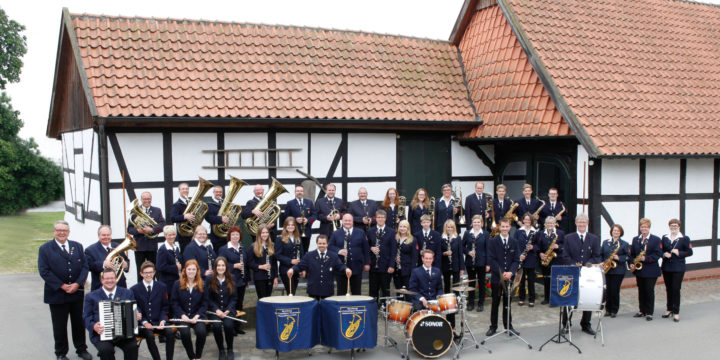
(547, 211)
(153, 307)
(358, 249)
(479, 244)
(544, 240)
(428, 287)
(222, 299)
(458, 260)
(415, 215)
(587, 251)
(193, 251)
(523, 207)
(254, 261)
(212, 217)
(285, 253)
(323, 207)
(233, 257)
(473, 207)
(608, 247)
(502, 259)
(358, 212)
(652, 256)
(391, 216)
(388, 249)
(56, 269)
(187, 303)
(408, 257)
(91, 309)
(177, 212)
(434, 243)
(444, 213)
(293, 208)
(320, 273)
(167, 271)
(144, 243)
(246, 211)
(95, 255)
(531, 259)
(500, 212)
(675, 263)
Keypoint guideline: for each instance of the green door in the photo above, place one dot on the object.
(424, 162)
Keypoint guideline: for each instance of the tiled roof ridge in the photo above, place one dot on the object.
(251, 24)
(693, 2)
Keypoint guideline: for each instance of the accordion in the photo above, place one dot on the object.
(119, 319)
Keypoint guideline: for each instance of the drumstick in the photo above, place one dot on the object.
(290, 287)
(348, 287)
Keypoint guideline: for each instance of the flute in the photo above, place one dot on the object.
(227, 316)
(202, 320)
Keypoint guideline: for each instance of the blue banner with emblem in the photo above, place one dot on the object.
(348, 324)
(287, 323)
(564, 282)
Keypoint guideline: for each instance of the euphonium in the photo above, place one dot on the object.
(610, 263)
(115, 255)
(550, 254)
(141, 219)
(228, 209)
(269, 208)
(196, 207)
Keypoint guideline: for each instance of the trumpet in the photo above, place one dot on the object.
(458, 203)
(335, 223)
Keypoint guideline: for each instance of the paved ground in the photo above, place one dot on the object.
(27, 332)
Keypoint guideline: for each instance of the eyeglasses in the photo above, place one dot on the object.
(61, 230)
(148, 272)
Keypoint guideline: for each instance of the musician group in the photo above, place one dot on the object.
(197, 277)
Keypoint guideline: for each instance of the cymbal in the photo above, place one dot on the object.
(463, 288)
(405, 292)
(465, 281)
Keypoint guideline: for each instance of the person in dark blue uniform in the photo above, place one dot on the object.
(647, 276)
(153, 306)
(453, 260)
(304, 213)
(91, 318)
(391, 205)
(352, 247)
(503, 257)
(363, 210)
(320, 267)
(96, 255)
(146, 246)
(501, 205)
(201, 250)
(63, 267)
(289, 251)
(221, 302)
(527, 205)
(445, 208)
(545, 239)
(169, 257)
(249, 210)
(429, 239)
(425, 280)
(177, 214)
(418, 207)
(614, 276)
(329, 209)
(475, 243)
(676, 247)
(188, 303)
(581, 248)
(383, 248)
(213, 218)
(476, 204)
(237, 261)
(406, 258)
(262, 261)
(555, 208)
(526, 239)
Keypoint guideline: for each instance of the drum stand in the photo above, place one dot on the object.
(465, 330)
(560, 338)
(508, 295)
(387, 339)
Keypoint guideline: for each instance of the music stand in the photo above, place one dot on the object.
(555, 300)
(508, 295)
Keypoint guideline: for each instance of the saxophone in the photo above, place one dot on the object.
(638, 264)
(510, 215)
(550, 253)
(537, 212)
(269, 208)
(557, 223)
(141, 219)
(232, 211)
(519, 272)
(115, 255)
(610, 263)
(196, 207)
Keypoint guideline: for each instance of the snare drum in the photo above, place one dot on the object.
(429, 333)
(433, 306)
(398, 311)
(591, 286)
(448, 303)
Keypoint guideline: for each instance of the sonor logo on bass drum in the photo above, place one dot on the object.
(431, 324)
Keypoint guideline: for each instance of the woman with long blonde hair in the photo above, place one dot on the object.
(263, 263)
(289, 251)
(407, 255)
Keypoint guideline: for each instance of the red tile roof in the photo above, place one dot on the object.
(641, 77)
(140, 67)
(508, 95)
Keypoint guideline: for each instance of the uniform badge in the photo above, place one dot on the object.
(565, 285)
(352, 321)
(288, 323)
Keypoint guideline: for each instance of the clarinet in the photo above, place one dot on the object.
(297, 249)
(267, 261)
(177, 261)
(242, 263)
(449, 245)
(472, 235)
(345, 246)
(398, 263)
(378, 234)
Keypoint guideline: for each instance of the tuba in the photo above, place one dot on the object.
(115, 255)
(141, 219)
(269, 208)
(196, 207)
(232, 211)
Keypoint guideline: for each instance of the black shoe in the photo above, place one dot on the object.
(589, 331)
(676, 318)
(648, 318)
(544, 302)
(230, 355)
(84, 355)
(638, 315)
(62, 357)
(512, 330)
(607, 314)
(565, 330)
(521, 303)
(666, 315)
(491, 331)
(531, 304)
(480, 308)
(613, 315)
(222, 355)
(470, 307)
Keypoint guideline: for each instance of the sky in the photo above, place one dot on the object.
(31, 96)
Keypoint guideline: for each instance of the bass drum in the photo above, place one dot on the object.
(591, 287)
(429, 333)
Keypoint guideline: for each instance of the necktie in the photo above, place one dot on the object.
(107, 249)
(501, 203)
(322, 256)
(479, 197)
(528, 202)
(149, 289)
(582, 238)
(552, 206)
(429, 274)
(505, 243)
(64, 249)
(110, 296)
(363, 204)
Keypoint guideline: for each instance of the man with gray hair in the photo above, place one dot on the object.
(144, 237)
(363, 210)
(97, 257)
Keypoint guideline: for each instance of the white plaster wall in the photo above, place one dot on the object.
(92, 200)
(698, 218)
(465, 162)
(582, 163)
(700, 254)
(143, 157)
(376, 190)
(84, 233)
(371, 154)
(244, 141)
(299, 158)
(188, 158)
(322, 152)
(699, 176)
(660, 212)
(619, 177)
(623, 213)
(662, 176)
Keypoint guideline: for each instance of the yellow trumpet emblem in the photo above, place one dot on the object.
(353, 327)
(285, 334)
(565, 288)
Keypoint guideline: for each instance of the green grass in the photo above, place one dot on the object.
(20, 238)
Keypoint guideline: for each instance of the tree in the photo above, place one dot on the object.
(26, 178)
